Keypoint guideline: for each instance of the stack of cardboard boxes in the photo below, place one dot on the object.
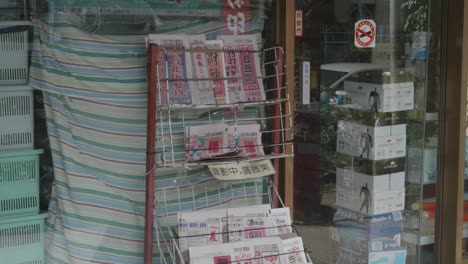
(370, 173)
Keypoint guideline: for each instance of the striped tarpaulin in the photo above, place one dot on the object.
(95, 100)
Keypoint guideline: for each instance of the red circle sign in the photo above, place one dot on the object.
(364, 33)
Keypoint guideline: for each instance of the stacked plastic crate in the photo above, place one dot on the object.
(21, 224)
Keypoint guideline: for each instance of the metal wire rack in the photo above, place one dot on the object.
(206, 195)
(172, 119)
(166, 146)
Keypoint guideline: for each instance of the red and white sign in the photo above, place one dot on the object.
(236, 16)
(364, 34)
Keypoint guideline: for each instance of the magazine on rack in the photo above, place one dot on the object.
(202, 87)
(200, 228)
(217, 70)
(256, 251)
(248, 222)
(243, 68)
(174, 69)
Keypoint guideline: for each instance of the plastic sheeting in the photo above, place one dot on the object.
(90, 64)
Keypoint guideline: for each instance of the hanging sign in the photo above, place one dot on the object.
(364, 34)
(242, 170)
(236, 16)
(299, 24)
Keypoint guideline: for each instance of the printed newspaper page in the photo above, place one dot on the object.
(292, 249)
(244, 63)
(267, 250)
(174, 65)
(206, 141)
(200, 228)
(248, 139)
(248, 222)
(202, 89)
(217, 70)
(240, 252)
(281, 221)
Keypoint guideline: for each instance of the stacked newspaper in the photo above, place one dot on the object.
(268, 250)
(212, 227)
(196, 71)
(222, 141)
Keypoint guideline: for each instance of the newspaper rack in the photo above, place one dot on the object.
(166, 139)
(165, 212)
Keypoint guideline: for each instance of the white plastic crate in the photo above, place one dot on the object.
(22, 239)
(19, 183)
(16, 118)
(14, 52)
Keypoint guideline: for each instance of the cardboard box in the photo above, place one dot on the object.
(355, 114)
(370, 194)
(379, 97)
(371, 203)
(371, 167)
(355, 181)
(422, 165)
(373, 143)
(387, 257)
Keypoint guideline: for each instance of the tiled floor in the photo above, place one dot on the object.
(319, 241)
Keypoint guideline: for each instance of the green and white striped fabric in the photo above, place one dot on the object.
(95, 100)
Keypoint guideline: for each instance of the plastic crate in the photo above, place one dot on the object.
(17, 118)
(19, 183)
(22, 239)
(14, 51)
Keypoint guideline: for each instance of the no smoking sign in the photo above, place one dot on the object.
(364, 34)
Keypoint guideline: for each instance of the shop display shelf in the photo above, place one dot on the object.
(22, 239)
(16, 110)
(19, 183)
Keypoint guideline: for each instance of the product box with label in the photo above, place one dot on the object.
(370, 194)
(422, 165)
(370, 167)
(381, 94)
(373, 143)
(353, 113)
(359, 232)
(387, 257)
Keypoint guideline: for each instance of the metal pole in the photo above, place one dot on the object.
(150, 154)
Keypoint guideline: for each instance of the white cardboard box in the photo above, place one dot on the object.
(370, 194)
(387, 257)
(372, 143)
(422, 165)
(382, 98)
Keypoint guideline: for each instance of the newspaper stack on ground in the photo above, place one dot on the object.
(221, 141)
(243, 68)
(201, 228)
(268, 250)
